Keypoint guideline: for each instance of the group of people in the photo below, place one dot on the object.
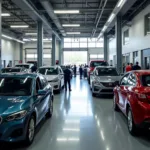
(130, 67)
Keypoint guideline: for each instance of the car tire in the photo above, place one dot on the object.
(115, 106)
(50, 109)
(130, 122)
(30, 131)
(93, 94)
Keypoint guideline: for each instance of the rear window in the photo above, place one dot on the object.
(48, 71)
(145, 80)
(106, 72)
(7, 70)
(23, 66)
(98, 63)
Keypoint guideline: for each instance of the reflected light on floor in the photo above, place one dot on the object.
(71, 129)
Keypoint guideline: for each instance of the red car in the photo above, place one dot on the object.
(93, 64)
(132, 97)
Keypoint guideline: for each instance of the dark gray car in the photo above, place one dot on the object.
(103, 80)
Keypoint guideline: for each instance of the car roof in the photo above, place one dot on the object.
(50, 66)
(13, 68)
(106, 67)
(25, 64)
(19, 75)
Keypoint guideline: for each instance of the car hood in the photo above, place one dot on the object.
(11, 104)
(108, 78)
(51, 77)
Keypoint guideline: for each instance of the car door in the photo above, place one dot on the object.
(122, 90)
(61, 76)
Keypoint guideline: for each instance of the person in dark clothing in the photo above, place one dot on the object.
(67, 78)
(33, 68)
(81, 71)
(75, 70)
(136, 67)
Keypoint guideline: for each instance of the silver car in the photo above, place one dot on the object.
(103, 80)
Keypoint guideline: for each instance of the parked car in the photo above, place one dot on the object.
(93, 64)
(24, 100)
(27, 66)
(54, 75)
(103, 80)
(13, 70)
(132, 97)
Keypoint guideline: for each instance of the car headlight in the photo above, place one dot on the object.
(16, 116)
(55, 80)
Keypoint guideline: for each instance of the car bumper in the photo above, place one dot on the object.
(14, 131)
(96, 89)
(55, 85)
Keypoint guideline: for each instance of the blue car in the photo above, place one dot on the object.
(24, 100)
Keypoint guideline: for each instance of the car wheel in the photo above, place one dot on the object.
(30, 131)
(131, 125)
(116, 108)
(93, 94)
(50, 109)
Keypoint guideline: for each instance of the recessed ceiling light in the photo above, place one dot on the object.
(30, 33)
(5, 14)
(73, 32)
(66, 11)
(71, 25)
(19, 26)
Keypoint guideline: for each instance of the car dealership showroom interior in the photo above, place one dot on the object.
(74, 74)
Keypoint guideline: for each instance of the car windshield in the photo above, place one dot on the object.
(23, 66)
(145, 80)
(106, 72)
(13, 86)
(48, 71)
(98, 63)
(7, 70)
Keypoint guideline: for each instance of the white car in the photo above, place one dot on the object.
(27, 66)
(54, 75)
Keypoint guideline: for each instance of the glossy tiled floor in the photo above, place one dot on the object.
(81, 122)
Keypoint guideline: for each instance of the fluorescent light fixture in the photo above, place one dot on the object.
(72, 32)
(120, 3)
(104, 28)
(30, 33)
(11, 38)
(111, 17)
(19, 26)
(66, 11)
(5, 14)
(71, 25)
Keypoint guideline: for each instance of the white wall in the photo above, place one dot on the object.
(10, 51)
(137, 39)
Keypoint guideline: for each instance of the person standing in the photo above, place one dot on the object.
(128, 67)
(67, 78)
(136, 66)
(75, 70)
(33, 68)
(80, 70)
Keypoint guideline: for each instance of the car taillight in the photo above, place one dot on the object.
(143, 97)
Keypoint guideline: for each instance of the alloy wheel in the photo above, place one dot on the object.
(31, 129)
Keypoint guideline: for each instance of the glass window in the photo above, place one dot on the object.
(30, 56)
(91, 44)
(83, 40)
(145, 80)
(75, 45)
(43, 81)
(100, 56)
(92, 39)
(131, 80)
(126, 37)
(98, 63)
(75, 40)
(124, 80)
(46, 55)
(23, 66)
(67, 45)
(147, 24)
(7, 70)
(83, 45)
(12, 86)
(93, 56)
(67, 39)
(99, 44)
(106, 72)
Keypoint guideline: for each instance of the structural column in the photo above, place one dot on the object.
(105, 47)
(40, 44)
(53, 49)
(0, 34)
(61, 46)
(21, 52)
(119, 43)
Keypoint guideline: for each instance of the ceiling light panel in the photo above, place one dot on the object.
(66, 11)
(19, 26)
(5, 14)
(71, 25)
(30, 33)
(73, 32)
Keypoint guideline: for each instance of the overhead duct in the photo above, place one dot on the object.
(32, 13)
(48, 7)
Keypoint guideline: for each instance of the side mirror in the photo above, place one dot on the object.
(42, 92)
(117, 83)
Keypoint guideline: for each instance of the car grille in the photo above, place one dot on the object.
(109, 84)
(107, 90)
